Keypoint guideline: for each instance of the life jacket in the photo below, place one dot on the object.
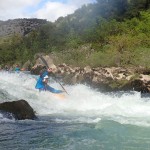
(40, 84)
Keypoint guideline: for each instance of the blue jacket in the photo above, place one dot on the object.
(41, 86)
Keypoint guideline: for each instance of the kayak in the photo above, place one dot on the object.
(60, 96)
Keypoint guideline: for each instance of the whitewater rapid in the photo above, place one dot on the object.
(83, 104)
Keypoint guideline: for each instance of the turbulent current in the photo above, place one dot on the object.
(85, 120)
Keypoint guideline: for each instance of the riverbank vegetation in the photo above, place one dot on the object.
(107, 33)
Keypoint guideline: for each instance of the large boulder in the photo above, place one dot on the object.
(47, 58)
(37, 69)
(39, 64)
(20, 109)
(27, 66)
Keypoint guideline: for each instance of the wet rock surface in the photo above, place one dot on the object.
(20, 109)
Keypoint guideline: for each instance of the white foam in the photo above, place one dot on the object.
(79, 120)
(82, 100)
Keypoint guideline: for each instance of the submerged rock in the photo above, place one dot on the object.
(21, 110)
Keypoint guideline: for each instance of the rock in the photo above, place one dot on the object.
(48, 59)
(20, 109)
(139, 85)
(27, 65)
(105, 79)
(87, 69)
(39, 64)
(36, 69)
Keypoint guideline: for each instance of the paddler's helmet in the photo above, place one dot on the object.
(46, 77)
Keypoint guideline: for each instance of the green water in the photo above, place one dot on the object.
(46, 134)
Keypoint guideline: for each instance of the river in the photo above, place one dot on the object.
(86, 120)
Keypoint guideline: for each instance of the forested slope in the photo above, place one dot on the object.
(106, 33)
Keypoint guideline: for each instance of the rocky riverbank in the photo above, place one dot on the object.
(104, 79)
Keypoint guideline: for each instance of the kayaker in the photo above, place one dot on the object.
(42, 83)
(17, 68)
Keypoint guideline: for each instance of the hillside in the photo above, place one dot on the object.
(19, 26)
(107, 33)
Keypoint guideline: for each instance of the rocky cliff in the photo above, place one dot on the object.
(19, 26)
